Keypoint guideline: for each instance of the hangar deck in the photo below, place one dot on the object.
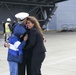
(60, 55)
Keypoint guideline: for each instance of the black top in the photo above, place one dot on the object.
(35, 41)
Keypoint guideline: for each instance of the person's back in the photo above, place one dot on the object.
(7, 25)
(7, 31)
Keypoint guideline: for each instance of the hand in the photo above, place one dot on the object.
(44, 39)
(25, 37)
(7, 45)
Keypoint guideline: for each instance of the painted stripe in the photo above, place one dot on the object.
(16, 44)
(12, 47)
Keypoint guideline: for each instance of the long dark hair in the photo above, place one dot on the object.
(36, 23)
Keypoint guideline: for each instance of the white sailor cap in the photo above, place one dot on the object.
(21, 15)
(8, 19)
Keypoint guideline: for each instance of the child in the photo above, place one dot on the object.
(15, 49)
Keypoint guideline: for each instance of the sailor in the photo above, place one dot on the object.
(21, 17)
(21, 20)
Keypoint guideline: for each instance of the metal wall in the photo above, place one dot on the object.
(9, 10)
(66, 15)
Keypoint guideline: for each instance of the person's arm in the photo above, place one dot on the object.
(19, 44)
(32, 40)
(23, 43)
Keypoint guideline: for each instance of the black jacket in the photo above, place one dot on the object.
(35, 41)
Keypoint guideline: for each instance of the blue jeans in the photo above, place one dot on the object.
(13, 67)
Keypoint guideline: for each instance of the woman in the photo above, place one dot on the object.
(35, 46)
